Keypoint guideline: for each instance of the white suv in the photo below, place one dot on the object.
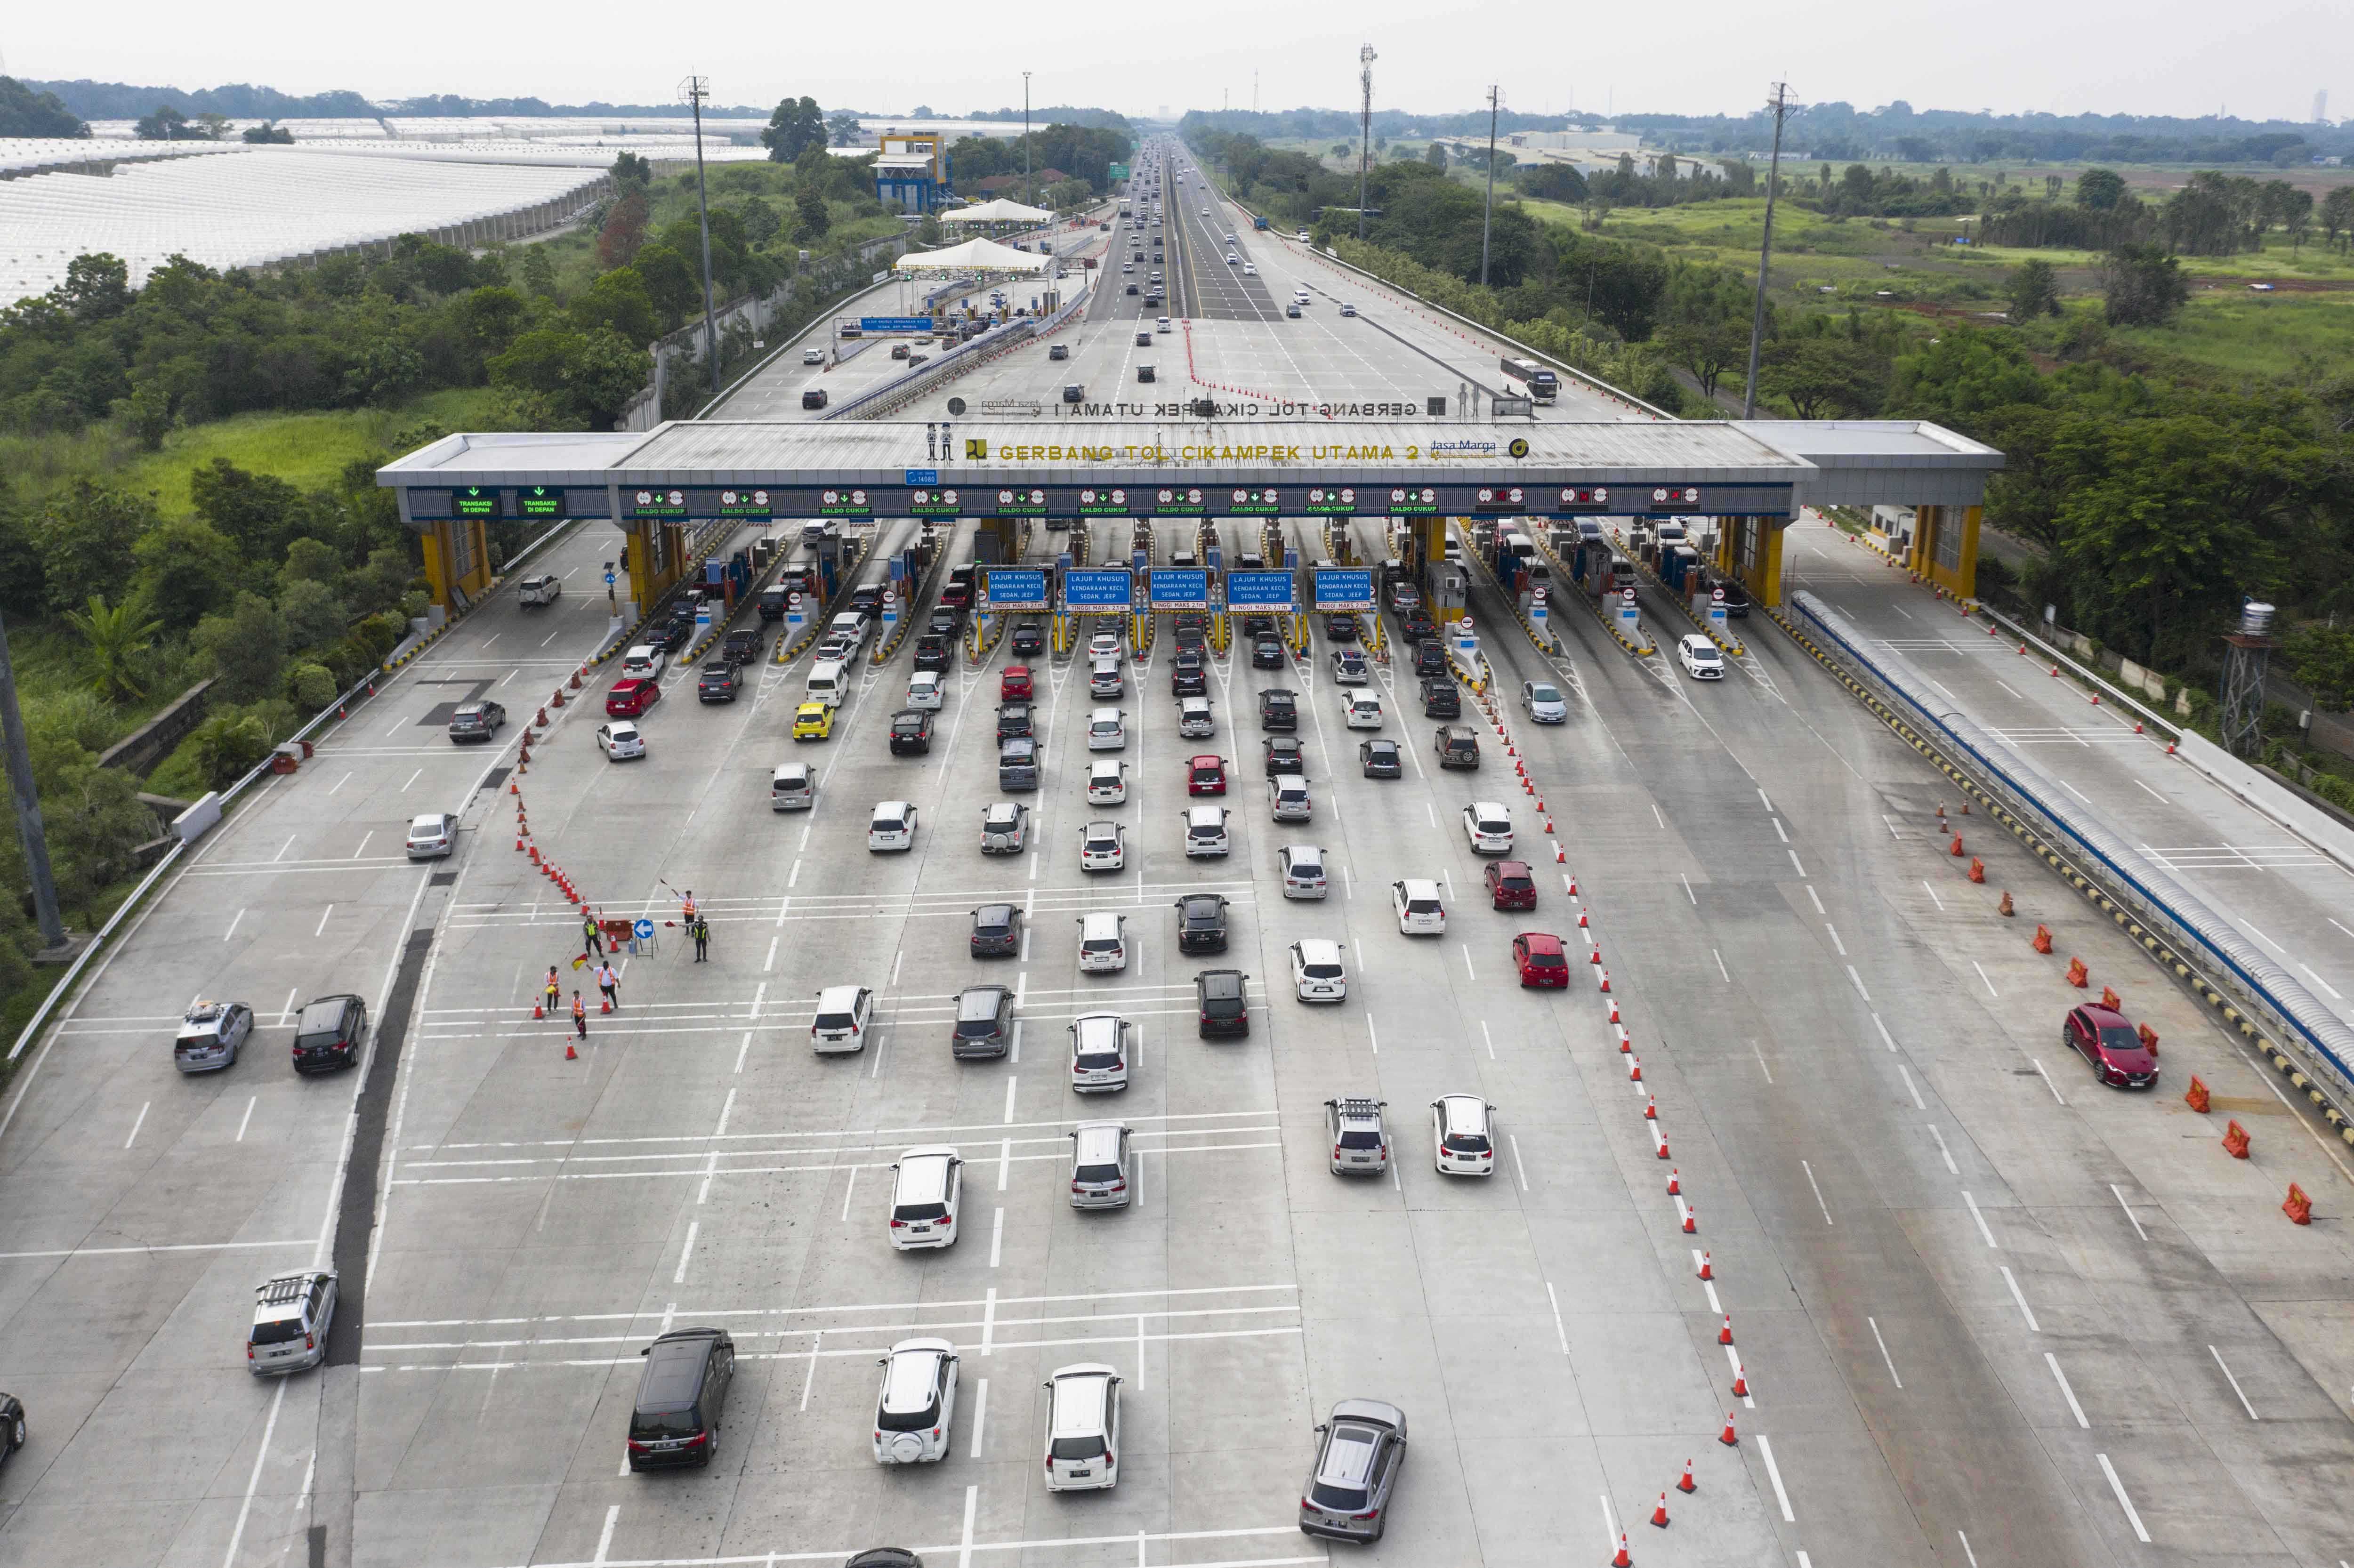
(1083, 1428)
(1103, 846)
(1420, 912)
(1101, 1043)
(893, 826)
(1488, 825)
(1107, 730)
(1462, 1136)
(1287, 799)
(291, 1314)
(926, 1185)
(1316, 971)
(1106, 783)
(1206, 832)
(1361, 1144)
(1303, 871)
(1103, 943)
(843, 1011)
(917, 1404)
(1701, 660)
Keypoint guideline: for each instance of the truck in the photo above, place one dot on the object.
(1258, 223)
(1542, 384)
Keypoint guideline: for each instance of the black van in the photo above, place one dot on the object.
(681, 1396)
(1223, 1001)
(329, 1032)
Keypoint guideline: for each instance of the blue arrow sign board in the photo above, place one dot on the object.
(1098, 587)
(1260, 590)
(1013, 587)
(642, 929)
(894, 324)
(1180, 588)
(1345, 588)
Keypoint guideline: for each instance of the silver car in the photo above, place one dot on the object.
(292, 1313)
(210, 1034)
(1358, 1455)
(433, 836)
(1099, 1165)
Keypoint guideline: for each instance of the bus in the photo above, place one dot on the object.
(1517, 546)
(1542, 384)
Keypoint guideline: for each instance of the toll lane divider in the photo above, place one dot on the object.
(922, 593)
(1542, 644)
(867, 539)
(706, 543)
(2144, 896)
(1562, 575)
(1732, 649)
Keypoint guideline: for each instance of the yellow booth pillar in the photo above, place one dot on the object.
(1749, 550)
(1944, 547)
(457, 563)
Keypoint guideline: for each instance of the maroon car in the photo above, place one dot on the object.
(1205, 775)
(1540, 961)
(1510, 886)
(2103, 1037)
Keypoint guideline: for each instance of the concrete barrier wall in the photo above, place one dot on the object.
(144, 748)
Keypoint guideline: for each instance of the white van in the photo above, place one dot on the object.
(926, 1185)
(828, 682)
(1103, 943)
(852, 624)
(1205, 831)
(1083, 1428)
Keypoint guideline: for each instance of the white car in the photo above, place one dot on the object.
(1316, 972)
(1286, 798)
(1361, 710)
(1103, 645)
(1250, 269)
(1419, 909)
(917, 1407)
(1099, 1051)
(1103, 943)
(1083, 1411)
(1103, 846)
(1107, 730)
(812, 357)
(1489, 826)
(1462, 1142)
(619, 740)
(1701, 660)
(1233, 260)
(1205, 831)
(432, 837)
(1349, 667)
(1195, 718)
(893, 826)
(1542, 701)
(1005, 828)
(925, 1187)
(843, 1012)
(644, 662)
(1106, 783)
(1303, 871)
(926, 691)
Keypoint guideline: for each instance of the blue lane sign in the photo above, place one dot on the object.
(1345, 588)
(1180, 588)
(1013, 587)
(894, 324)
(1260, 590)
(923, 476)
(1098, 587)
(609, 579)
(642, 929)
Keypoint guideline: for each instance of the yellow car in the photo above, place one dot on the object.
(812, 721)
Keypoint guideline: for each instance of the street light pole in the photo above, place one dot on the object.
(1487, 217)
(1365, 57)
(694, 90)
(1781, 107)
(1029, 185)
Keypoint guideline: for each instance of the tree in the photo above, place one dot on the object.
(116, 637)
(97, 287)
(538, 272)
(618, 301)
(86, 538)
(2322, 660)
(842, 128)
(588, 375)
(2141, 285)
(760, 220)
(22, 586)
(1824, 377)
(813, 220)
(187, 567)
(1707, 349)
(269, 134)
(1552, 182)
(672, 286)
(146, 414)
(167, 124)
(247, 646)
(795, 126)
(1435, 156)
(314, 617)
(24, 113)
(2034, 292)
(259, 512)
(623, 232)
(229, 747)
(2337, 212)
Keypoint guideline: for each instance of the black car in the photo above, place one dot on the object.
(772, 601)
(911, 732)
(1430, 657)
(1187, 681)
(1278, 709)
(1267, 652)
(997, 930)
(719, 683)
(1029, 638)
(1222, 1000)
(476, 721)
(1013, 721)
(1192, 635)
(1382, 758)
(813, 397)
(1201, 923)
(670, 636)
(1440, 699)
(945, 621)
(1257, 624)
(681, 1394)
(984, 1022)
(1341, 627)
(742, 646)
(885, 1557)
(12, 1424)
(866, 599)
(934, 652)
(329, 1032)
(1417, 626)
(1284, 755)
(1131, 288)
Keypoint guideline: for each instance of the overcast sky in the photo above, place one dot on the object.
(2255, 58)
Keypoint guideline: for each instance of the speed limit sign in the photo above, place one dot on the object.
(793, 600)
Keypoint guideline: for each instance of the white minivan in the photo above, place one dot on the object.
(828, 682)
(1103, 943)
(926, 1185)
(1107, 730)
(1206, 832)
(1083, 1428)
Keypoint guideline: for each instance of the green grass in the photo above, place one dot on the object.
(2259, 334)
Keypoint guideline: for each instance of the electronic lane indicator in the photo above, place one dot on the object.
(474, 501)
(538, 501)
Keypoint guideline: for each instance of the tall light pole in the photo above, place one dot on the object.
(1489, 215)
(1365, 57)
(693, 90)
(1780, 105)
(1029, 185)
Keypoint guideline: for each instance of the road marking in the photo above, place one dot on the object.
(1376, 1039)
(1720, 966)
(1818, 898)
(847, 1188)
(979, 1415)
(232, 925)
(1964, 1539)
(140, 1122)
(1982, 977)
(2235, 1383)
(1980, 1218)
(1762, 796)
(997, 1238)
(2073, 790)
(1514, 1139)
(253, 1481)
(2154, 794)
(412, 779)
(341, 782)
(808, 1379)
(789, 881)
(1859, 984)
(2324, 984)
(2128, 1208)
(989, 1322)
(246, 1120)
(1794, 861)
(1884, 1352)
(2124, 1501)
(964, 1545)
(1883, 1032)
(2047, 1078)
(363, 843)
(1835, 935)
(1010, 1083)
(1777, 827)
(1560, 1331)
(1491, 1039)
(330, 909)
(1774, 1474)
(1826, 1208)
(1942, 1149)
(1761, 1061)
(1467, 969)
(1004, 1161)
(687, 1252)
(1933, 895)
(2016, 1295)
(605, 1536)
(743, 1050)
(1911, 1088)
(1013, 1047)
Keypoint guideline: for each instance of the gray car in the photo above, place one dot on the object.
(1358, 1455)
(984, 1022)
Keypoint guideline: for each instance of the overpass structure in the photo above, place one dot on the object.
(1147, 461)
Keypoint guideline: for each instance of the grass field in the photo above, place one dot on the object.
(2274, 334)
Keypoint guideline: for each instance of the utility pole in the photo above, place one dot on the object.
(1488, 216)
(1029, 185)
(694, 90)
(28, 808)
(1365, 57)
(1780, 105)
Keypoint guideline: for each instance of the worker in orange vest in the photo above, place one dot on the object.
(579, 1017)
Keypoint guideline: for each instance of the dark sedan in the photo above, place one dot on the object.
(1284, 755)
(1267, 652)
(1029, 638)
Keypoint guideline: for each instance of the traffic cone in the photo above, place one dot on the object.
(1548, 820)
(1593, 957)
(2096, 699)
(1956, 849)
(1688, 1484)
(576, 679)
(1624, 1559)
(1659, 1514)
(1727, 1437)
(534, 854)
(605, 1004)
(535, 1012)
(1740, 1380)
(1707, 1266)
(1614, 1012)
(518, 844)
(1978, 869)
(339, 711)
(1691, 1218)
(556, 699)
(1650, 1109)
(1573, 888)
(1675, 1180)
(1606, 979)
(511, 790)
(1625, 1045)
(542, 720)
(1559, 857)
(570, 1053)
(1724, 1335)
(1581, 920)
(1634, 1069)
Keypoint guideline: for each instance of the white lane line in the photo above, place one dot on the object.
(232, 925)
(808, 1378)
(1912, 1088)
(246, 1119)
(1942, 1149)
(1514, 1138)
(2324, 984)
(2006, 686)
(979, 1415)
(2065, 1392)
(363, 843)
(286, 1015)
(162, 1247)
(605, 1536)
(341, 782)
(2017, 1295)
(2235, 1383)
(1779, 830)
(253, 1481)
(964, 1545)
(139, 1122)
(1818, 898)
(847, 1188)
(997, 1239)
(1013, 1047)
(1859, 985)
(1835, 935)
(1964, 1539)
(686, 1253)
(330, 909)
(1933, 895)
(1980, 1218)
(1376, 1039)
(2124, 1501)
(2073, 790)
(1687, 889)
(1794, 861)
(1891, 1039)
(901, 956)
(2128, 1208)
(2148, 791)
(791, 881)
(743, 1049)
(412, 779)
(1884, 1352)
(1560, 1331)
(1490, 1040)
(1720, 966)
(989, 1322)
(1663, 822)
(1826, 1208)
(1761, 1061)
(2047, 1078)
(1774, 1474)
(1010, 1084)
(1472, 974)
(1982, 977)
(781, 910)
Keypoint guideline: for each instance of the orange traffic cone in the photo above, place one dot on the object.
(1624, 1559)
(1727, 1437)
(1707, 1266)
(1740, 1380)
(1659, 1514)
(605, 1004)
(1688, 1484)
(1634, 1068)
(1956, 849)
(1724, 1335)
(536, 1012)
(1978, 869)
(2004, 908)
(1573, 888)
(1650, 1109)
(570, 1053)
(1675, 1182)
(1606, 981)
(1581, 920)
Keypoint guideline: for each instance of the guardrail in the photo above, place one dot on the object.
(2034, 806)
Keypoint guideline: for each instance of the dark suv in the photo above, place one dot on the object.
(1223, 996)
(741, 646)
(1201, 923)
(476, 721)
(717, 683)
(997, 930)
(1029, 638)
(1279, 710)
(1440, 699)
(1430, 657)
(329, 1032)
(1458, 745)
(934, 652)
(984, 1022)
(681, 1396)
(911, 733)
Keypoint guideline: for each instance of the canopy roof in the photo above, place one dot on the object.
(1000, 211)
(973, 255)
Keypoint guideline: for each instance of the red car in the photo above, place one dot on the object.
(1510, 886)
(628, 699)
(1539, 959)
(1014, 684)
(2103, 1037)
(1205, 775)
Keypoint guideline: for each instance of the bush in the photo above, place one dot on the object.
(229, 747)
(312, 687)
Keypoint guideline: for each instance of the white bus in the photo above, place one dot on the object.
(1542, 386)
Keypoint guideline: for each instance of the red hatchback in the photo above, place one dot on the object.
(1510, 886)
(1539, 959)
(1014, 684)
(1205, 775)
(628, 699)
(2103, 1037)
